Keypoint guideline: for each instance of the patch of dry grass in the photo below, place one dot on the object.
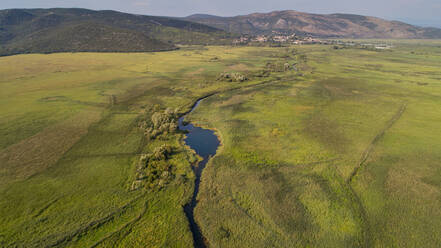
(44, 149)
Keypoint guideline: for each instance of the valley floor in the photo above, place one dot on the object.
(340, 150)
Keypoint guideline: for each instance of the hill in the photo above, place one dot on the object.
(76, 30)
(334, 25)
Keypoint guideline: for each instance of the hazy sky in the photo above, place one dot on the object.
(421, 12)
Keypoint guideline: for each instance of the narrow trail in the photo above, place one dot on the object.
(369, 149)
(365, 155)
(119, 230)
(91, 225)
(359, 208)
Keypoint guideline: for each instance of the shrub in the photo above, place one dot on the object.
(161, 123)
(162, 153)
(275, 67)
(232, 77)
(154, 170)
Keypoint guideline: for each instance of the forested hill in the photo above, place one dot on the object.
(82, 30)
(334, 25)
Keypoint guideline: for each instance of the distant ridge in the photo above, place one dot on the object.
(83, 30)
(203, 16)
(333, 25)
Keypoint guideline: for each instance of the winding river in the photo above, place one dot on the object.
(205, 143)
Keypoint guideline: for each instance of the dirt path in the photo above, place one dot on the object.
(359, 208)
(368, 150)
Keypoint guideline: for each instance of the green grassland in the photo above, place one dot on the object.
(347, 156)
(344, 152)
(71, 141)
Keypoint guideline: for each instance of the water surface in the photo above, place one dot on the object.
(205, 143)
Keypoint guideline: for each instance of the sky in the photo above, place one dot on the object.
(419, 12)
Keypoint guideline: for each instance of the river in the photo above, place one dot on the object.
(205, 143)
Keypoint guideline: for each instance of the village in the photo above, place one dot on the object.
(278, 37)
(283, 38)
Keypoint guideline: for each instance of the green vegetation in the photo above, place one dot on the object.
(89, 153)
(321, 147)
(82, 30)
(162, 123)
(346, 156)
(153, 169)
(232, 77)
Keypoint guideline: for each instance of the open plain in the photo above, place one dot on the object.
(321, 146)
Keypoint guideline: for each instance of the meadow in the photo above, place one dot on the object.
(71, 142)
(346, 156)
(341, 150)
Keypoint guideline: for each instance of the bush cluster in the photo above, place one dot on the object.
(154, 170)
(162, 123)
(278, 66)
(232, 77)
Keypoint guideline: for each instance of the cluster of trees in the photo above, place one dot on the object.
(232, 77)
(154, 170)
(161, 123)
(279, 66)
(283, 64)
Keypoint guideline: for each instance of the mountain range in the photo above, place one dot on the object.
(333, 25)
(83, 30)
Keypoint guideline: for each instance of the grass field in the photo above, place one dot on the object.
(344, 152)
(346, 157)
(70, 144)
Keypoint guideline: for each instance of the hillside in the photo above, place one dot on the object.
(334, 25)
(75, 30)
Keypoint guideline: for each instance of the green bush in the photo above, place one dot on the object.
(232, 77)
(154, 171)
(162, 123)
